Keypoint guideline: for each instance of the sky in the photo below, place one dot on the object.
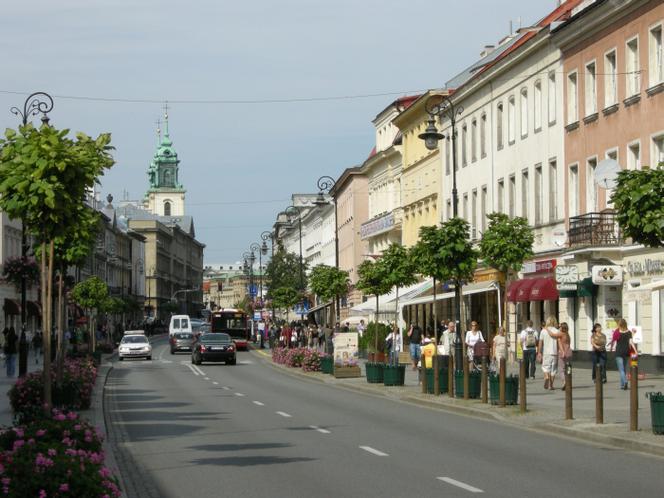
(111, 64)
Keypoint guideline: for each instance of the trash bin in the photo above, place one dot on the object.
(327, 364)
(442, 379)
(511, 389)
(656, 412)
(394, 375)
(474, 384)
(374, 373)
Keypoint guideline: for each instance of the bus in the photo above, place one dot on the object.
(233, 322)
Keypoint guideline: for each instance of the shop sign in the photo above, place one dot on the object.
(607, 274)
(647, 267)
(379, 225)
(546, 266)
(566, 287)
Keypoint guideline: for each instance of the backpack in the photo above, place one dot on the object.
(531, 340)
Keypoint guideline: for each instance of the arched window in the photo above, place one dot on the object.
(167, 208)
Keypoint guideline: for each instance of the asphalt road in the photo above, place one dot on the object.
(252, 430)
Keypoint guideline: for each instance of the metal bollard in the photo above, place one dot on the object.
(599, 395)
(466, 379)
(485, 381)
(436, 374)
(569, 414)
(423, 377)
(522, 386)
(22, 355)
(501, 384)
(634, 399)
(450, 376)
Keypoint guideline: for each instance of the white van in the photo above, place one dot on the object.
(179, 323)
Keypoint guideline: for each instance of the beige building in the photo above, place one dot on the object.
(614, 101)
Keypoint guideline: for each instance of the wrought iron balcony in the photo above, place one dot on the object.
(595, 230)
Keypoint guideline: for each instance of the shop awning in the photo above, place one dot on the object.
(652, 286)
(544, 289)
(512, 289)
(584, 288)
(386, 302)
(467, 290)
(524, 291)
(34, 308)
(320, 307)
(12, 307)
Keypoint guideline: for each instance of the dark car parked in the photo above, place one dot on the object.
(181, 341)
(214, 347)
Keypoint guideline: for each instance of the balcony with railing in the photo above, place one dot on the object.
(595, 230)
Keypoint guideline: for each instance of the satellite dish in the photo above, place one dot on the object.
(559, 237)
(606, 173)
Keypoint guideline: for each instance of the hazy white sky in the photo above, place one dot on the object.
(240, 162)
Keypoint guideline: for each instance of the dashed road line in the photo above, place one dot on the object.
(199, 370)
(374, 451)
(316, 428)
(259, 403)
(190, 367)
(207, 378)
(284, 414)
(460, 484)
(239, 394)
(215, 383)
(226, 388)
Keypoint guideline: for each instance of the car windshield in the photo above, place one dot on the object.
(134, 339)
(183, 335)
(215, 338)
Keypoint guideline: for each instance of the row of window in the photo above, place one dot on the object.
(610, 75)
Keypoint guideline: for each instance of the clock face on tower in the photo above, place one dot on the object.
(567, 274)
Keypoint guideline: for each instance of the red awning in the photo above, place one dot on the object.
(512, 289)
(523, 293)
(545, 289)
(34, 308)
(12, 307)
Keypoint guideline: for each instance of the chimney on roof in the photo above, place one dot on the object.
(487, 50)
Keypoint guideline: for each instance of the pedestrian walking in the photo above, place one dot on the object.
(547, 352)
(598, 343)
(37, 342)
(10, 350)
(415, 340)
(622, 343)
(564, 350)
(500, 346)
(473, 336)
(393, 346)
(529, 339)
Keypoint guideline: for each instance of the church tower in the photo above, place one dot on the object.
(165, 197)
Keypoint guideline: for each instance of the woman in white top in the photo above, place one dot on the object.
(547, 351)
(500, 346)
(473, 336)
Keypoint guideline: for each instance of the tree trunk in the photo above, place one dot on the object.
(60, 357)
(48, 395)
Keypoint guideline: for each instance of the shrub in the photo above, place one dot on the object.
(367, 341)
(56, 456)
(311, 360)
(279, 355)
(294, 357)
(75, 393)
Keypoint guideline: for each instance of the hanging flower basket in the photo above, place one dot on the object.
(15, 269)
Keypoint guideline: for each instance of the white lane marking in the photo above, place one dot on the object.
(460, 484)
(207, 378)
(161, 355)
(191, 367)
(246, 362)
(166, 361)
(239, 394)
(283, 414)
(259, 403)
(215, 383)
(316, 428)
(199, 370)
(226, 388)
(373, 451)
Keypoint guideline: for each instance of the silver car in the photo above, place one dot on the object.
(134, 346)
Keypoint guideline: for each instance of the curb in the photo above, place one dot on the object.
(549, 428)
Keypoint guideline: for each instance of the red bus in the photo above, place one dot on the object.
(233, 322)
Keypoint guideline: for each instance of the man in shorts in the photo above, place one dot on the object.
(547, 353)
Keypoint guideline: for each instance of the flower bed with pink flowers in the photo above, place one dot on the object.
(55, 456)
(75, 393)
(307, 359)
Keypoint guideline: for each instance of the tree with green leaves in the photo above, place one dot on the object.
(373, 279)
(401, 270)
(92, 296)
(283, 270)
(285, 297)
(639, 202)
(505, 245)
(44, 178)
(329, 282)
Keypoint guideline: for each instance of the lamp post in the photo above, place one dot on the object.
(290, 212)
(38, 102)
(265, 236)
(258, 248)
(441, 106)
(325, 185)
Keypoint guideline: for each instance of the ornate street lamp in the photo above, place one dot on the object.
(265, 236)
(325, 185)
(441, 106)
(257, 248)
(38, 102)
(292, 211)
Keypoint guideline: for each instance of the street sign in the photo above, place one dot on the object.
(253, 290)
(566, 287)
(607, 274)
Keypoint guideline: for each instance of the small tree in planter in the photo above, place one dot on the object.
(328, 282)
(401, 269)
(505, 245)
(285, 297)
(373, 280)
(92, 295)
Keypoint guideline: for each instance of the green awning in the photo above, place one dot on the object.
(585, 288)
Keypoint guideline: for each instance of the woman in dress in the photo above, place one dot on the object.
(564, 349)
(598, 343)
(473, 336)
(500, 347)
(622, 343)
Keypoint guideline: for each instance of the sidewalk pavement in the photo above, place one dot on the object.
(546, 409)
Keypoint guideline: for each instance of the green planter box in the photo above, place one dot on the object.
(394, 375)
(511, 389)
(442, 379)
(374, 373)
(327, 364)
(657, 412)
(474, 383)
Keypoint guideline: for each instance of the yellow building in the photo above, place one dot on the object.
(421, 174)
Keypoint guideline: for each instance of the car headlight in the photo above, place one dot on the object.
(124, 349)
